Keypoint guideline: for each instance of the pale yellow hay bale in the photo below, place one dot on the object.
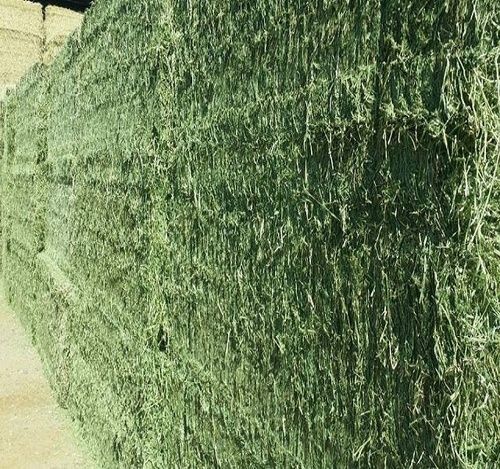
(60, 23)
(20, 15)
(18, 52)
(23, 33)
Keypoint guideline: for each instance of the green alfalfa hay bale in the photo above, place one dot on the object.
(296, 208)
(22, 202)
(398, 224)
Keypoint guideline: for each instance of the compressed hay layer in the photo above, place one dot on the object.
(18, 52)
(26, 38)
(21, 36)
(21, 16)
(22, 217)
(265, 234)
(58, 25)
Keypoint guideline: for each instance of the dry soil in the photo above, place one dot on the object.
(34, 432)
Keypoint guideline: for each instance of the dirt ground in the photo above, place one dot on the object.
(34, 432)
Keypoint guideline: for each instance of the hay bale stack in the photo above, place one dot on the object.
(59, 24)
(22, 16)
(265, 234)
(22, 197)
(21, 33)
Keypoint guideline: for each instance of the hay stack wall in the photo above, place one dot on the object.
(21, 39)
(265, 234)
(26, 37)
(58, 25)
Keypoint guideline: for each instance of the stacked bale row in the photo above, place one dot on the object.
(58, 24)
(21, 40)
(268, 231)
(30, 34)
(22, 193)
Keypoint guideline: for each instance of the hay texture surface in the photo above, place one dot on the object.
(21, 16)
(26, 38)
(18, 52)
(265, 234)
(21, 40)
(58, 25)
